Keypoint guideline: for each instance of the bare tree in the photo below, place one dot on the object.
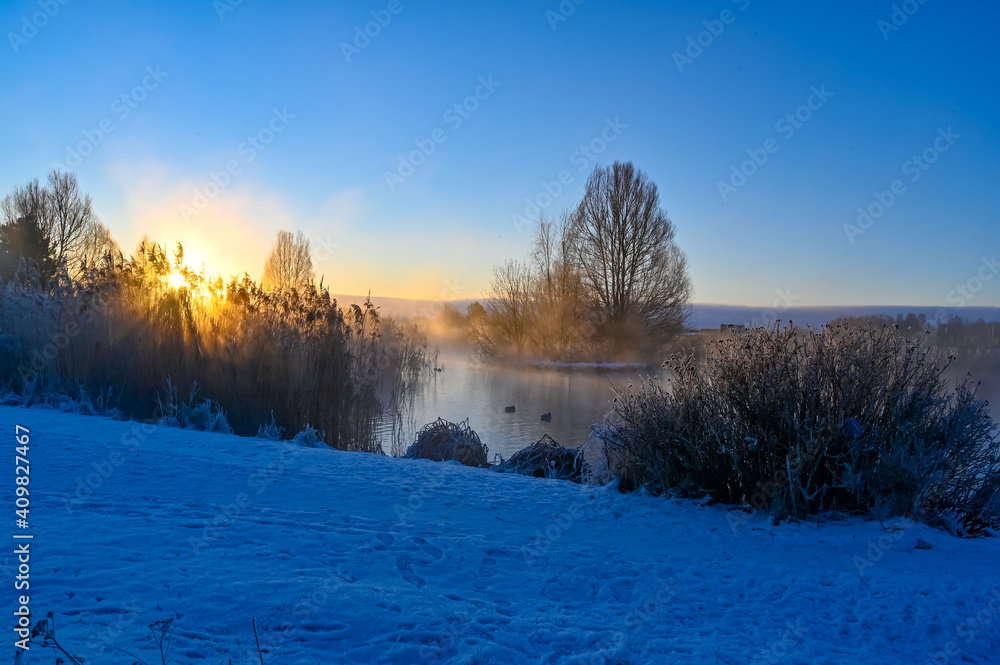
(506, 325)
(97, 245)
(558, 305)
(29, 200)
(634, 274)
(289, 265)
(69, 216)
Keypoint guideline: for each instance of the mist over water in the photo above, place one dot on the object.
(576, 397)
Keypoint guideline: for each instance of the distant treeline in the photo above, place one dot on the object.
(971, 344)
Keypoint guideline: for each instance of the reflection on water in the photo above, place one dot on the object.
(576, 398)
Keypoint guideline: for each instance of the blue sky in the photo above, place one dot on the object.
(328, 130)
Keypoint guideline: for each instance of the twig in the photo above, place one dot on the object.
(130, 654)
(253, 620)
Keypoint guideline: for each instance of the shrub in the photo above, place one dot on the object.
(309, 437)
(205, 416)
(546, 459)
(444, 441)
(799, 422)
(271, 431)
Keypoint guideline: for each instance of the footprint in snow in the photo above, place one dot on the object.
(488, 568)
(404, 563)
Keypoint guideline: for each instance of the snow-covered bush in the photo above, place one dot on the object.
(309, 437)
(84, 405)
(800, 422)
(444, 441)
(546, 459)
(270, 431)
(204, 415)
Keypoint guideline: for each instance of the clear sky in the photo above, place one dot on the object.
(310, 129)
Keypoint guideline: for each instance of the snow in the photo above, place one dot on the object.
(354, 558)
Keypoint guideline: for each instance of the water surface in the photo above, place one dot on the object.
(577, 397)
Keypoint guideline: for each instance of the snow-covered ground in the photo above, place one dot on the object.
(352, 558)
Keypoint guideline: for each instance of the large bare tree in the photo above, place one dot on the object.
(634, 274)
(289, 265)
(70, 216)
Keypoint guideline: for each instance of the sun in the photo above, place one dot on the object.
(176, 280)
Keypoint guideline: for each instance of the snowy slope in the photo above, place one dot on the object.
(352, 558)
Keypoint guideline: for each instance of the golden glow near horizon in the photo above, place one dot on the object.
(175, 280)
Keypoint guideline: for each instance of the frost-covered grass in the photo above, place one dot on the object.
(801, 422)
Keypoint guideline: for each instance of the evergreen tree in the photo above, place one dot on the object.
(25, 237)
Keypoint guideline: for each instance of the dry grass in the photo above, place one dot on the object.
(290, 358)
(443, 441)
(546, 459)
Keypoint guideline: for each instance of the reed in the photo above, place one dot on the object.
(262, 357)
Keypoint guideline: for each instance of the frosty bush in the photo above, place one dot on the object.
(204, 415)
(271, 431)
(800, 422)
(309, 437)
(444, 441)
(546, 459)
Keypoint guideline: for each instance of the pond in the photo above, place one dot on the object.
(576, 396)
